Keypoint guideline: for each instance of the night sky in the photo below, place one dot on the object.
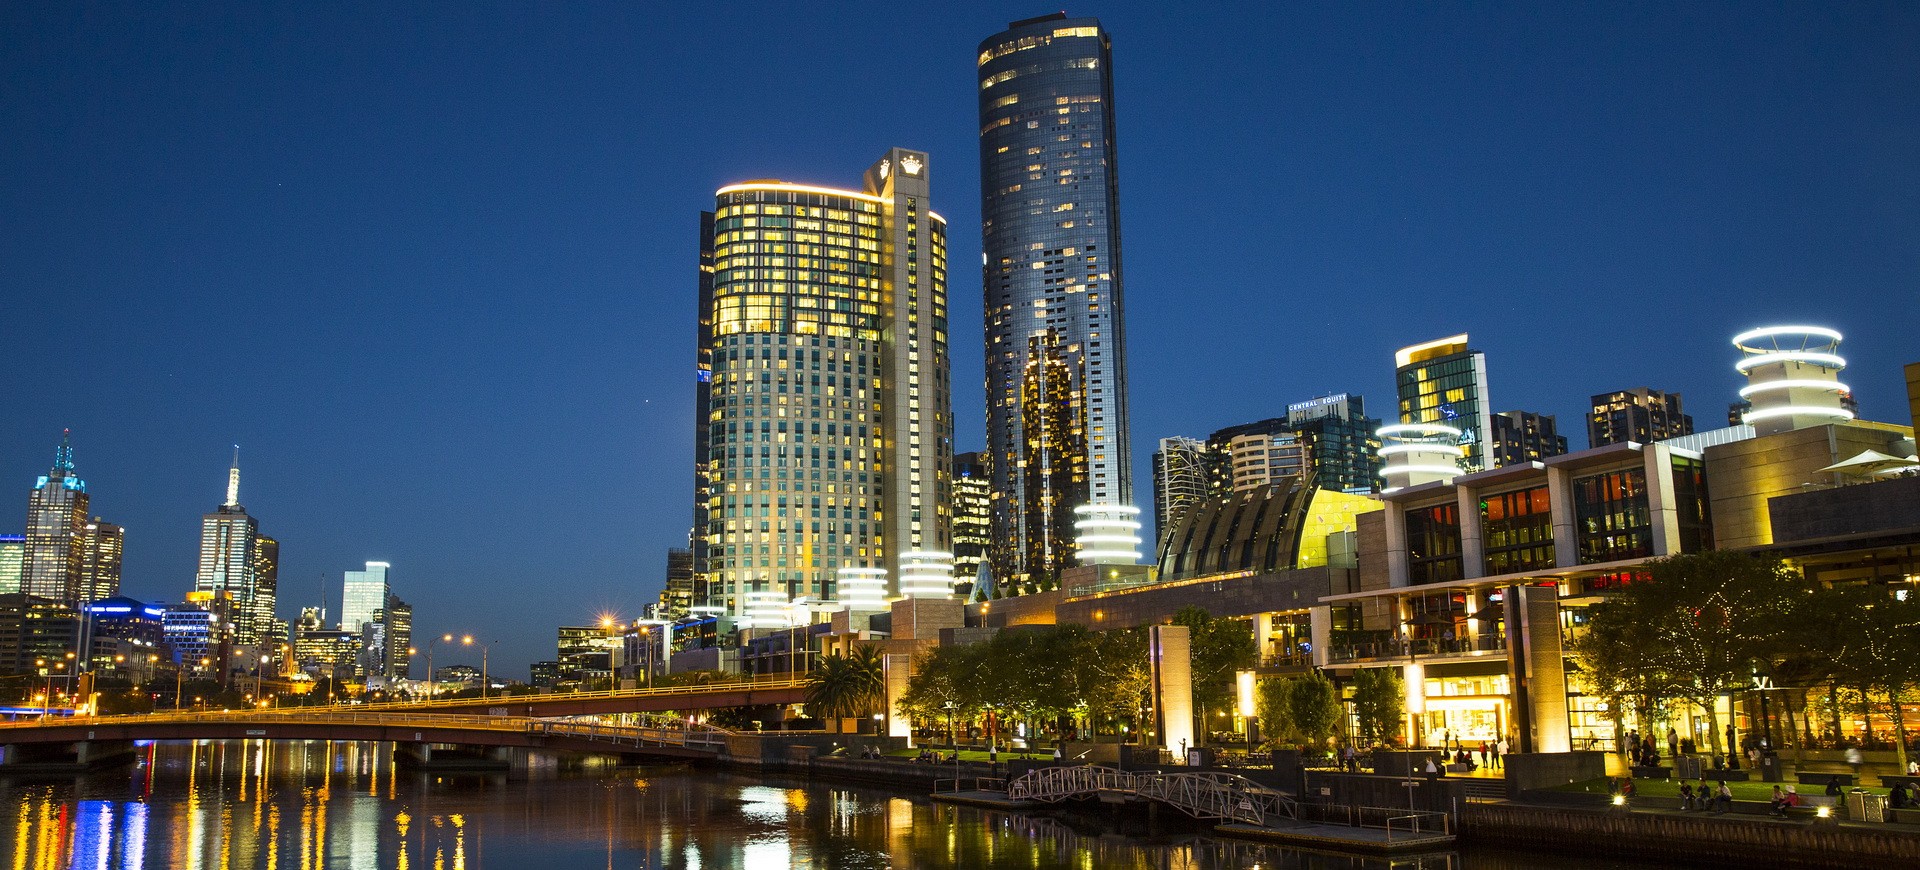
(434, 271)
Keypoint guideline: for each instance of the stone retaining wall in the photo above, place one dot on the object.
(1687, 840)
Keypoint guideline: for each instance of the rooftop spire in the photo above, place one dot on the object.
(233, 479)
(63, 458)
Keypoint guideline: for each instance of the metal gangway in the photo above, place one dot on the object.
(1209, 795)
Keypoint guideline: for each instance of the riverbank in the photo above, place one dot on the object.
(1588, 831)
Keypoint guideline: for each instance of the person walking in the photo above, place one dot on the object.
(1673, 743)
(1854, 760)
(1499, 750)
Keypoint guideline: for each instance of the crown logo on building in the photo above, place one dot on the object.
(910, 165)
(885, 166)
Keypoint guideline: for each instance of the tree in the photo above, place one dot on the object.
(943, 676)
(1313, 705)
(1887, 653)
(1379, 697)
(1273, 701)
(848, 685)
(1220, 648)
(1700, 623)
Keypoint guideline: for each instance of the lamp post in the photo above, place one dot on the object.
(46, 700)
(467, 640)
(432, 687)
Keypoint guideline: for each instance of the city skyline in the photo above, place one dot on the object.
(476, 287)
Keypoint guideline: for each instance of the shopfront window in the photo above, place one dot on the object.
(1433, 544)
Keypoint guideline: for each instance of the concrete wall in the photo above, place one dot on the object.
(1685, 840)
(1882, 506)
(1529, 771)
(1743, 475)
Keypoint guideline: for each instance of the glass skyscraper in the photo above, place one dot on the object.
(1444, 382)
(236, 559)
(56, 531)
(829, 434)
(1055, 340)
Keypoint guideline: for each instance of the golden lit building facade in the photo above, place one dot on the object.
(829, 431)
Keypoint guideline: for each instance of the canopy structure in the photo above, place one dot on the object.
(1873, 462)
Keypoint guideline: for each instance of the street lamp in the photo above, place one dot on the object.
(467, 640)
(432, 687)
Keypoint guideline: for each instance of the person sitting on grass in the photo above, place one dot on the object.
(1686, 796)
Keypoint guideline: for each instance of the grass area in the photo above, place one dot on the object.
(975, 754)
(1742, 791)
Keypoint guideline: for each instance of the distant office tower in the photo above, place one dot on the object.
(1337, 441)
(201, 631)
(1444, 382)
(362, 596)
(1641, 415)
(830, 435)
(56, 530)
(100, 560)
(972, 516)
(36, 629)
(384, 640)
(1055, 333)
(13, 556)
(676, 596)
(232, 561)
(1253, 455)
(1523, 436)
(1183, 476)
(586, 652)
(324, 652)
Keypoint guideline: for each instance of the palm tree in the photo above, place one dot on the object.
(849, 685)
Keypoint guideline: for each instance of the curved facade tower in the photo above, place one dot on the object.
(1055, 337)
(829, 436)
(1792, 377)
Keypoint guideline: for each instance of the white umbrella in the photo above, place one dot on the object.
(1871, 462)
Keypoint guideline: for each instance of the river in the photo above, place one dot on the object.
(305, 806)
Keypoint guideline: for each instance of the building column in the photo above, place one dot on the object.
(1566, 527)
(1396, 526)
(1660, 500)
(1473, 551)
(1537, 668)
(1170, 653)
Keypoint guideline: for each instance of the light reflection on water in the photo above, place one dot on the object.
(241, 804)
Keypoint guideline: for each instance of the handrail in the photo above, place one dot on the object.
(673, 734)
(1208, 794)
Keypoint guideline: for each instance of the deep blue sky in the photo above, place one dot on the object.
(434, 270)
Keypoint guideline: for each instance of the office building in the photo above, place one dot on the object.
(972, 517)
(125, 638)
(676, 596)
(1055, 333)
(36, 629)
(703, 492)
(100, 560)
(1443, 383)
(56, 530)
(235, 559)
(1253, 455)
(362, 596)
(201, 630)
(1523, 436)
(13, 557)
(1183, 475)
(390, 635)
(586, 652)
(829, 439)
(1641, 415)
(322, 652)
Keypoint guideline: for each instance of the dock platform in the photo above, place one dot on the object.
(1338, 837)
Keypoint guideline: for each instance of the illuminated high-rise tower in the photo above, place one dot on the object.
(236, 559)
(55, 553)
(829, 434)
(1056, 342)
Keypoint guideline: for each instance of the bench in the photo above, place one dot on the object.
(1904, 816)
(1724, 775)
(1652, 773)
(1825, 779)
(1889, 781)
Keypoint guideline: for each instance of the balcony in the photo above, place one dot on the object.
(1401, 649)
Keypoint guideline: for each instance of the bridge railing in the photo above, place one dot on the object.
(1210, 794)
(758, 683)
(677, 733)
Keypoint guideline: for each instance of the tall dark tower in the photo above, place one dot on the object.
(1056, 341)
(56, 531)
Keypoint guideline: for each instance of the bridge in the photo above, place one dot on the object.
(1206, 795)
(706, 696)
(28, 742)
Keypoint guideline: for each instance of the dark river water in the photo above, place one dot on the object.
(323, 805)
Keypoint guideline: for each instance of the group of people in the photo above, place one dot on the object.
(1706, 798)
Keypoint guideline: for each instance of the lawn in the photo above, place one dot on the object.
(975, 754)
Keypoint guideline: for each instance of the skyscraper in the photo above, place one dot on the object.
(56, 530)
(829, 432)
(362, 596)
(13, 558)
(100, 560)
(1055, 334)
(676, 595)
(1444, 382)
(231, 561)
(1642, 415)
(972, 516)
